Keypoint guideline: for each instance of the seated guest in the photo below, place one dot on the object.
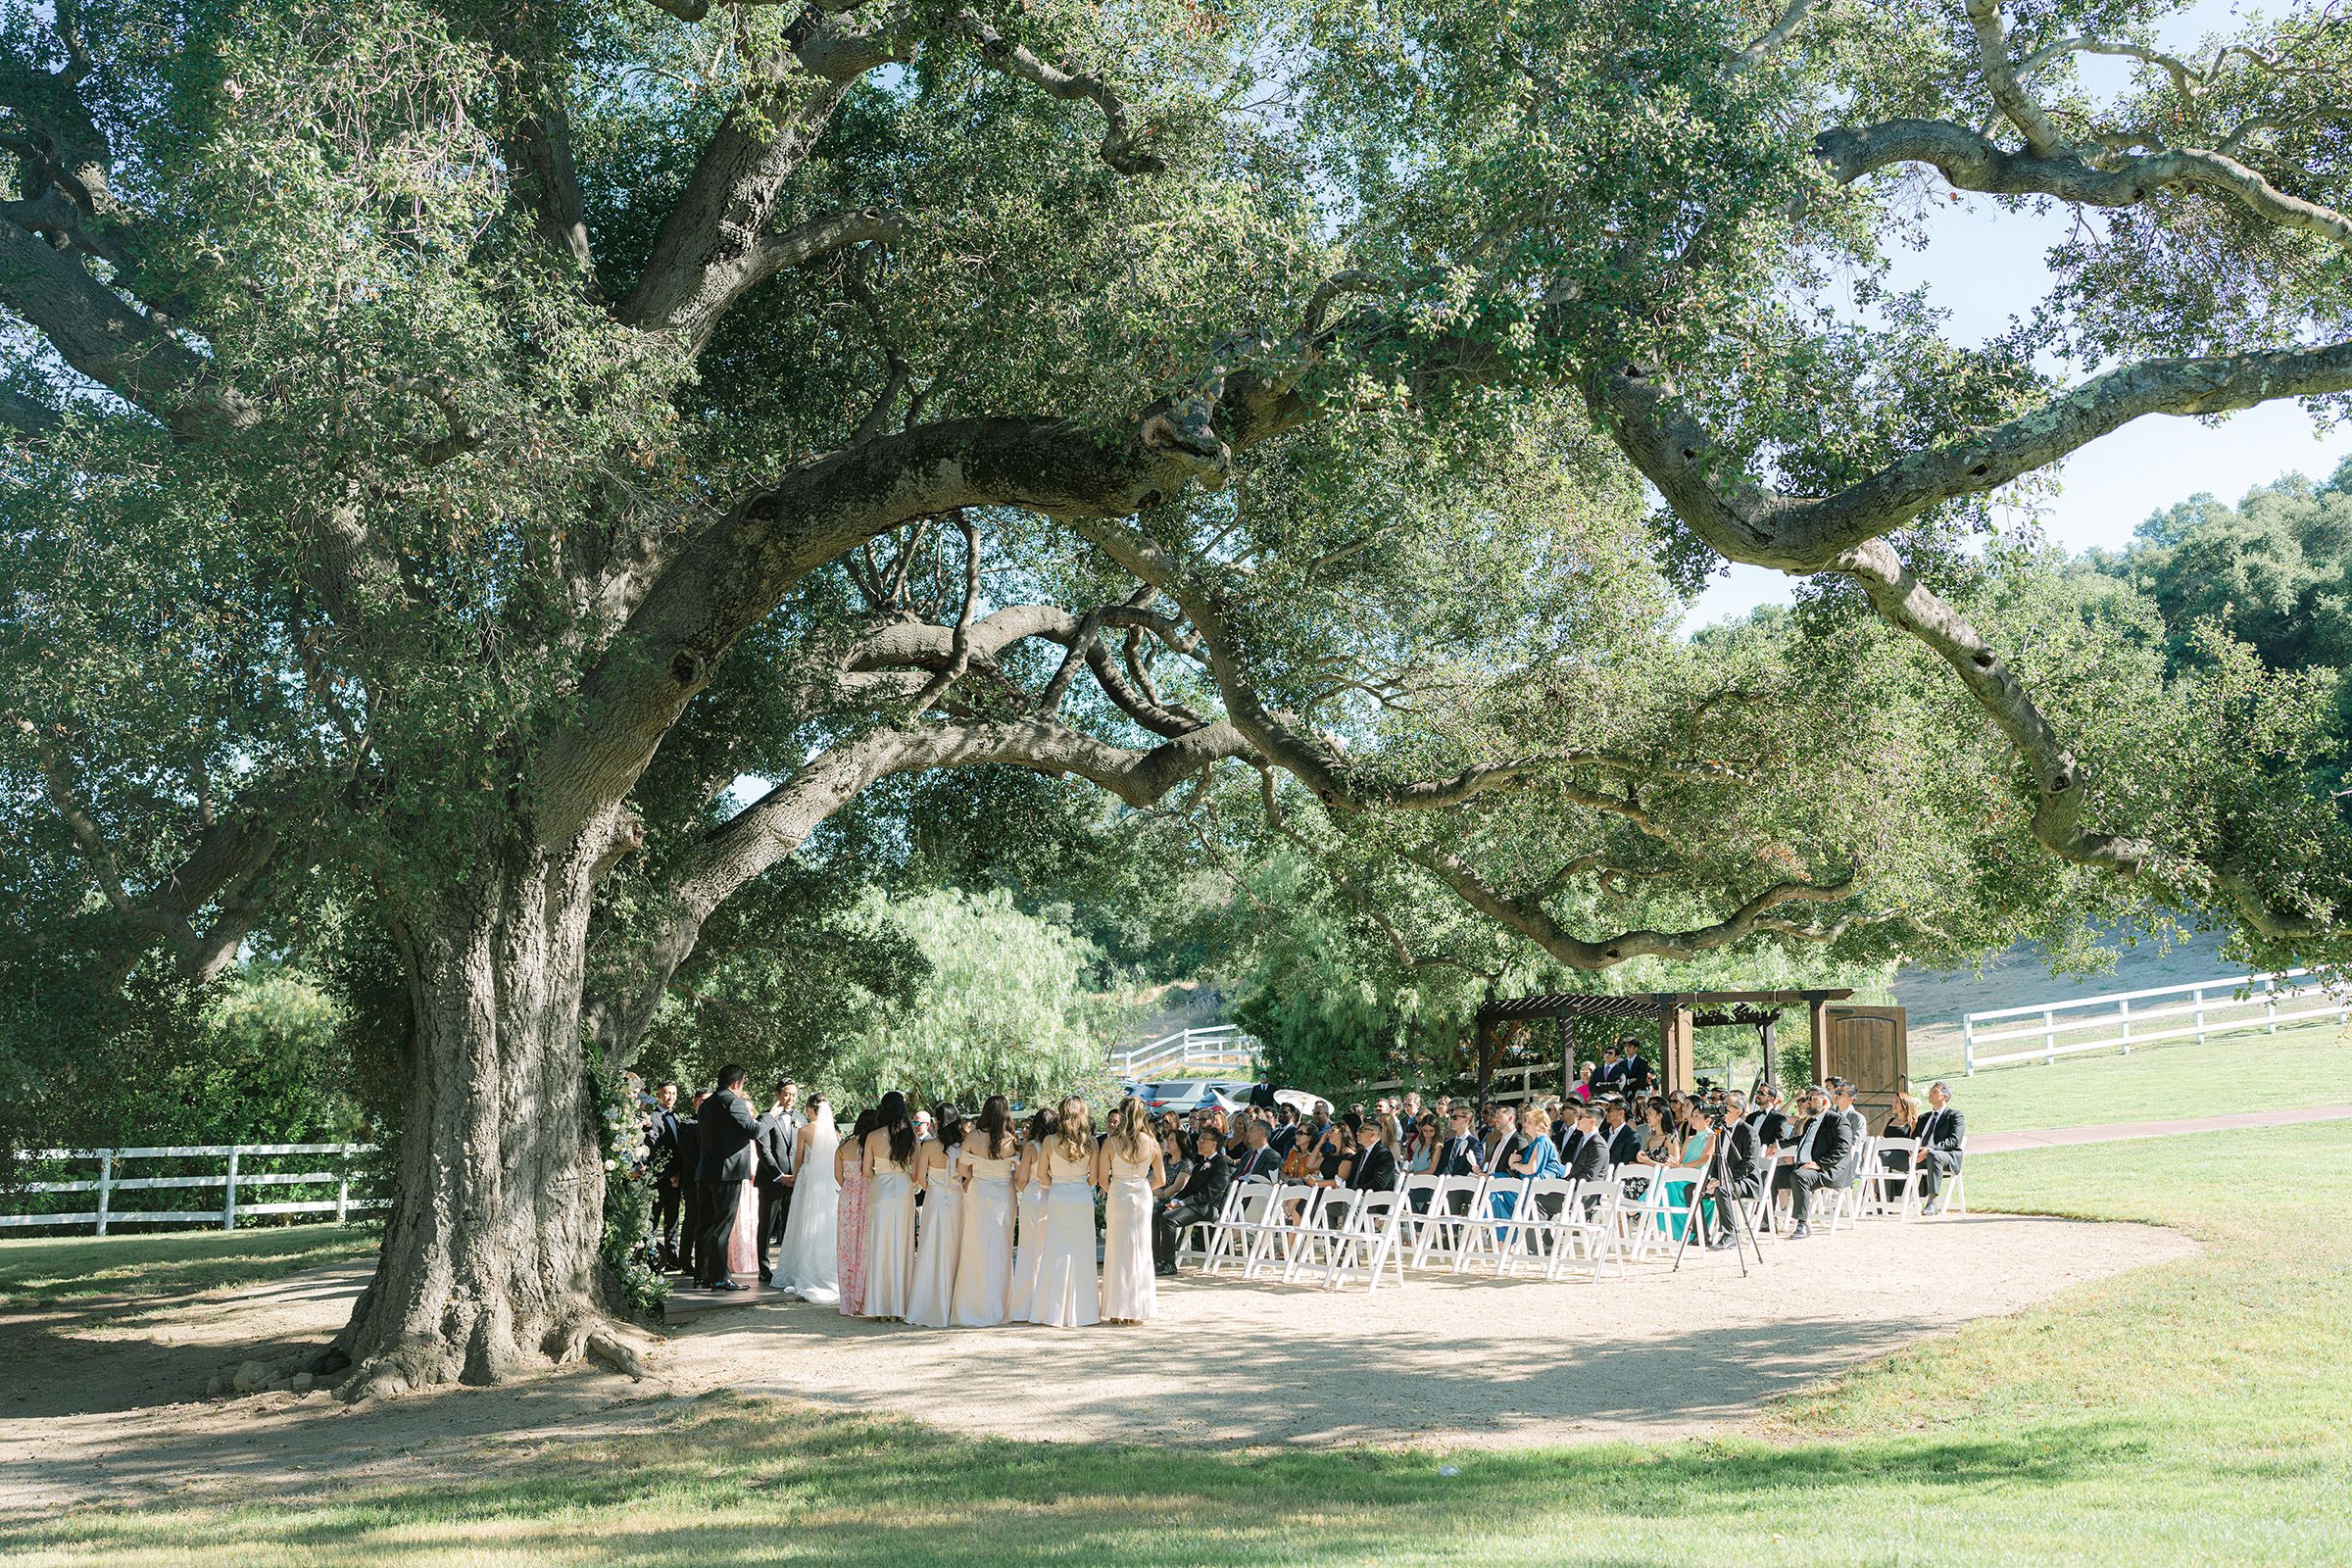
(1285, 1135)
(1421, 1148)
(1659, 1146)
(1462, 1154)
(1591, 1161)
(1583, 1083)
(1537, 1154)
(1572, 1133)
(1826, 1154)
(1625, 1139)
(1203, 1197)
(1374, 1169)
(1258, 1162)
(1902, 1121)
(1502, 1139)
(1177, 1164)
(1771, 1127)
(1940, 1133)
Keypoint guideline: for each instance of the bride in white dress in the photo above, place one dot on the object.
(1068, 1295)
(809, 1267)
(1128, 1167)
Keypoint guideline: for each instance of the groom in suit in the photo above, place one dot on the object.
(779, 1136)
(728, 1128)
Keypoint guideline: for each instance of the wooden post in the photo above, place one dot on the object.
(1567, 1059)
(228, 1206)
(1821, 1039)
(106, 1186)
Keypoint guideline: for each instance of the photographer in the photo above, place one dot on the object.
(1741, 1178)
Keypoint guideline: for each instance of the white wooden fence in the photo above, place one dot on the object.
(1216, 1053)
(2122, 1019)
(230, 1180)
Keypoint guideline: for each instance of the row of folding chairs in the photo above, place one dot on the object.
(1294, 1231)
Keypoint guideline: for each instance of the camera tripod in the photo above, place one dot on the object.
(1735, 1207)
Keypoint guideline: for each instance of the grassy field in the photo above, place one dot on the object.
(2192, 1415)
(62, 1268)
(2298, 1066)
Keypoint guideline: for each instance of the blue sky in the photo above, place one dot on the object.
(1983, 265)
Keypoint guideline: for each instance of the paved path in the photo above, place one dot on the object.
(2114, 1132)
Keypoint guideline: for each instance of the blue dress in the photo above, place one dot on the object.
(1679, 1189)
(1547, 1164)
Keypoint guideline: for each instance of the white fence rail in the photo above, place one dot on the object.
(2122, 1019)
(1188, 1054)
(230, 1180)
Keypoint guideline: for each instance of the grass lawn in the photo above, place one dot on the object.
(2193, 1414)
(46, 1269)
(2310, 1064)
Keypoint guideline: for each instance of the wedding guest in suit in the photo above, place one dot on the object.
(1742, 1168)
(1259, 1162)
(1940, 1135)
(1625, 1139)
(1203, 1195)
(777, 1144)
(1768, 1119)
(1463, 1153)
(1826, 1152)
(1610, 1080)
(1375, 1168)
(727, 1129)
(1285, 1135)
(1637, 1066)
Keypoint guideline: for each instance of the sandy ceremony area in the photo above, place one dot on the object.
(105, 1399)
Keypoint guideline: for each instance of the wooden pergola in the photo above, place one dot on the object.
(1678, 1014)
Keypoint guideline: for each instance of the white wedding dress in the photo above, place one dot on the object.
(809, 1267)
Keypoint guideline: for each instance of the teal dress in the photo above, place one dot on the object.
(1681, 1186)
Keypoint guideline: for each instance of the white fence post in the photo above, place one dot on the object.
(2200, 1004)
(343, 1186)
(106, 1185)
(2050, 1039)
(1968, 1048)
(228, 1206)
(2269, 1004)
(2124, 1014)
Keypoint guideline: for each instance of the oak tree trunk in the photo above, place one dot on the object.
(489, 1259)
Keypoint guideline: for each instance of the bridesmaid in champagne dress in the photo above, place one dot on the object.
(890, 1211)
(1029, 1176)
(1068, 1295)
(849, 1168)
(939, 1176)
(984, 1263)
(1128, 1167)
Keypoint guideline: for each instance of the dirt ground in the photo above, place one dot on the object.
(102, 1401)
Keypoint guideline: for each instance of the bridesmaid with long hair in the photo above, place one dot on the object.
(1068, 1295)
(1128, 1166)
(1029, 1178)
(984, 1261)
(890, 1211)
(939, 1177)
(849, 1168)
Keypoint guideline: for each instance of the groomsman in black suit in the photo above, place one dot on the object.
(1941, 1136)
(728, 1131)
(690, 1180)
(661, 1153)
(778, 1140)
(1826, 1152)
(1637, 1066)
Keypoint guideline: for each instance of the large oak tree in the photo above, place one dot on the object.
(452, 443)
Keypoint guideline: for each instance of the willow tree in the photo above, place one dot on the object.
(415, 411)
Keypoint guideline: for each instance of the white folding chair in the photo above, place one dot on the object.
(1219, 1234)
(1763, 1213)
(1483, 1231)
(1844, 1203)
(1415, 1221)
(1635, 1218)
(1891, 1188)
(1372, 1243)
(1279, 1231)
(1551, 1224)
(1439, 1231)
(1320, 1234)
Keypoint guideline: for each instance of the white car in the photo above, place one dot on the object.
(1186, 1095)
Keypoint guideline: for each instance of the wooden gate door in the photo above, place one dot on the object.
(1870, 1047)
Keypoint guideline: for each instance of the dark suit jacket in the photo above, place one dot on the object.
(1611, 1076)
(661, 1139)
(1375, 1170)
(1282, 1140)
(1254, 1165)
(1624, 1143)
(1572, 1144)
(1637, 1074)
(775, 1143)
(1741, 1154)
(1465, 1156)
(728, 1128)
(1206, 1191)
(1943, 1130)
(1591, 1160)
(689, 1168)
(1771, 1127)
(1834, 1150)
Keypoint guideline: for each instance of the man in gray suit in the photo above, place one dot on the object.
(1940, 1138)
(1826, 1155)
(777, 1141)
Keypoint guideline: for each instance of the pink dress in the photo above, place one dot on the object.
(743, 1242)
(851, 1245)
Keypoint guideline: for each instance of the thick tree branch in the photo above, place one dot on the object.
(1122, 144)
